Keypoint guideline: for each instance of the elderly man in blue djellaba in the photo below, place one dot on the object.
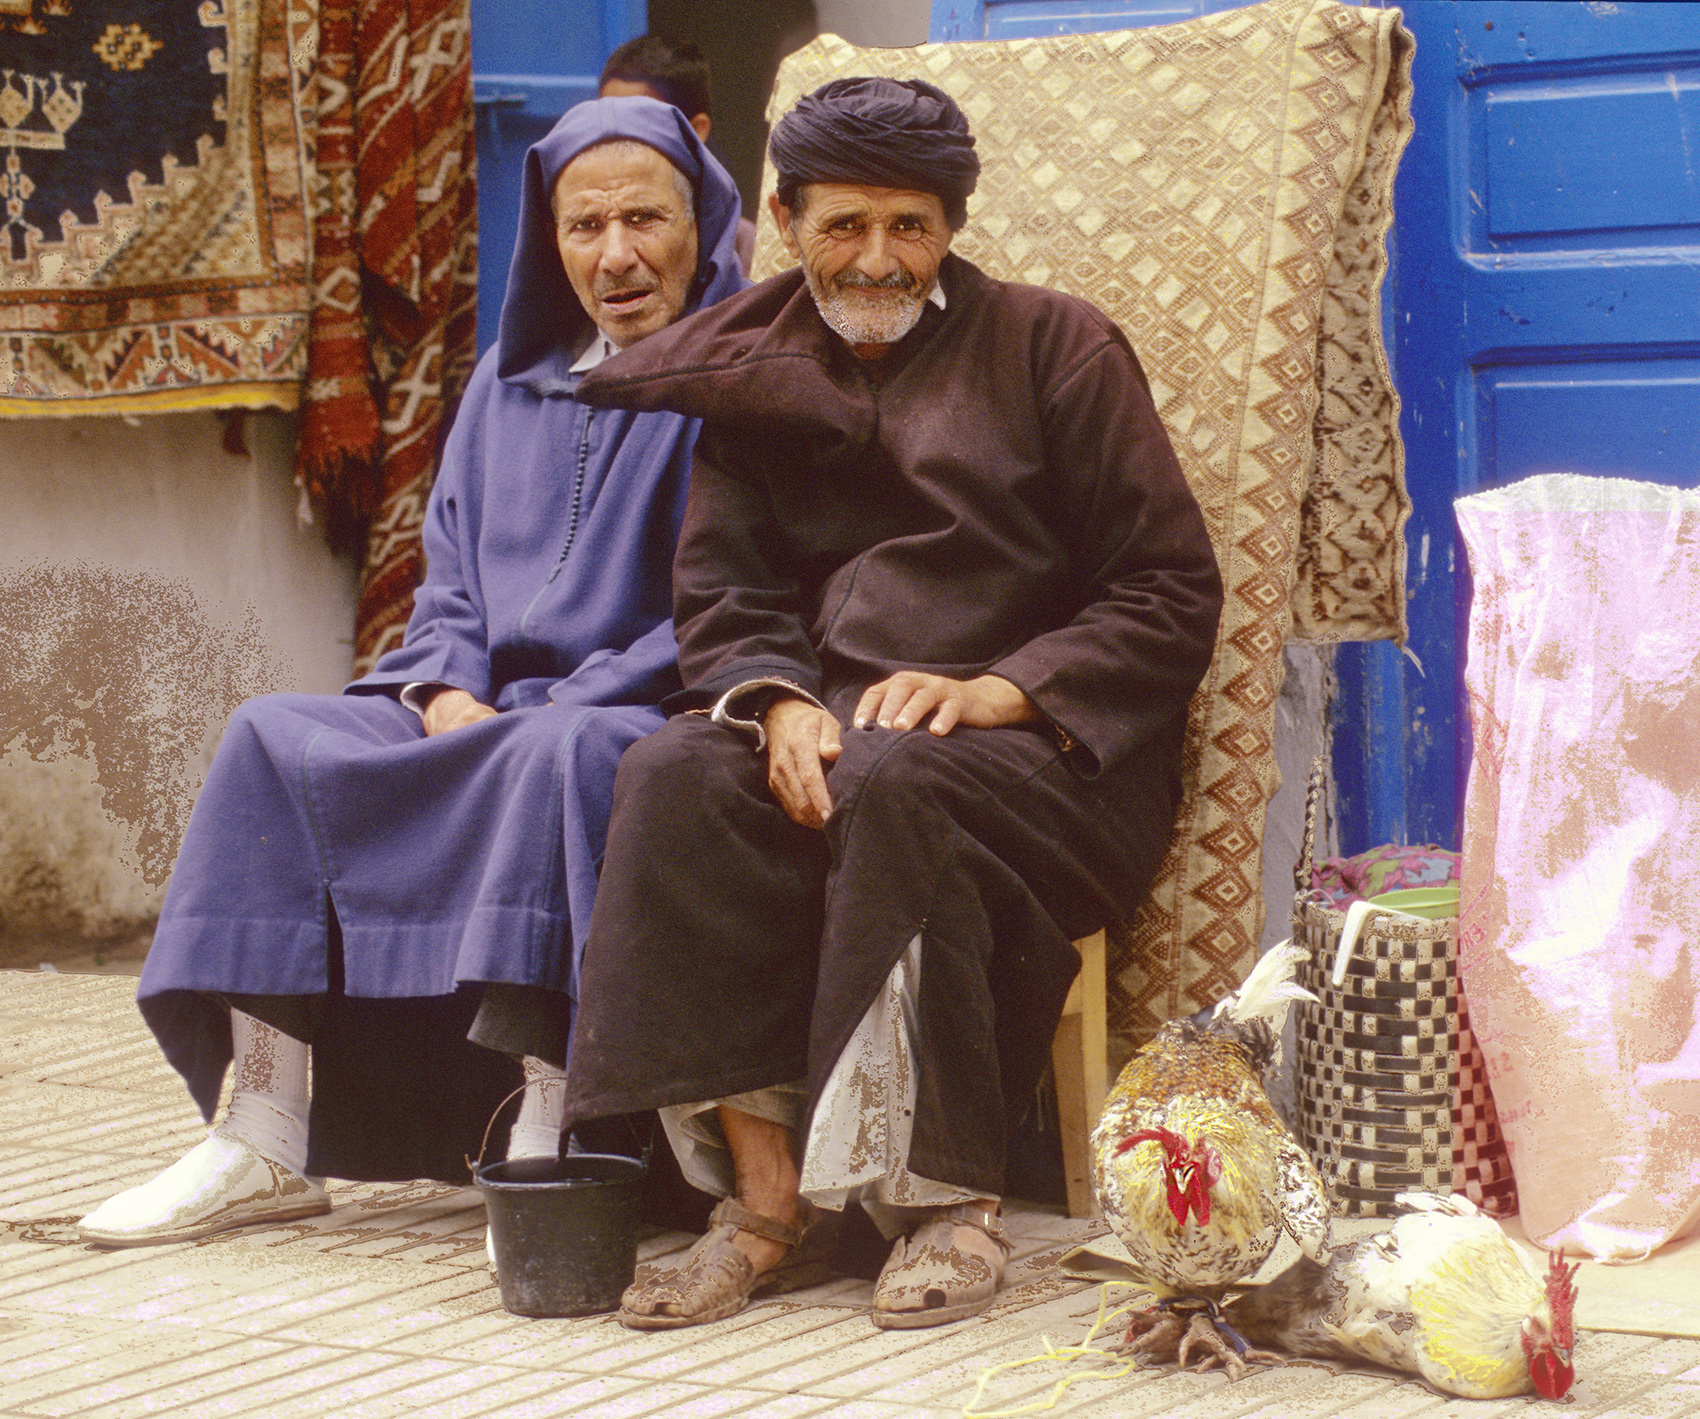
(943, 596)
(386, 876)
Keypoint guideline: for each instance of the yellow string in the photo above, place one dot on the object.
(1064, 1353)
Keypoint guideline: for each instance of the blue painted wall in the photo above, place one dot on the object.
(532, 60)
(1542, 312)
(1031, 19)
(1545, 317)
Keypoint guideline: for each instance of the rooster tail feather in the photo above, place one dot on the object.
(1268, 991)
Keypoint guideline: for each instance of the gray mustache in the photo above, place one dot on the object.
(899, 280)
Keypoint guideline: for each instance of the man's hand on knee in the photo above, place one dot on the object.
(451, 709)
(909, 696)
(801, 739)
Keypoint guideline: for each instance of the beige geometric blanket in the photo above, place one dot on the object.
(1223, 189)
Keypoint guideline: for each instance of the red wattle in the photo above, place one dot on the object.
(1551, 1376)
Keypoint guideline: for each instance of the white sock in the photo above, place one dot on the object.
(268, 1109)
(542, 1110)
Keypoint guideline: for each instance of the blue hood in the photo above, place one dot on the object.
(543, 324)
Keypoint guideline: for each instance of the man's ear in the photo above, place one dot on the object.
(782, 220)
(702, 123)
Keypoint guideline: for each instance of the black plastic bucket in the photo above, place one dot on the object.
(564, 1230)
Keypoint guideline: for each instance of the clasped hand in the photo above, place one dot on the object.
(803, 738)
(453, 709)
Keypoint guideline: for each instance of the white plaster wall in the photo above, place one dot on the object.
(148, 578)
(887, 23)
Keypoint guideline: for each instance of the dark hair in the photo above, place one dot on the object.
(675, 70)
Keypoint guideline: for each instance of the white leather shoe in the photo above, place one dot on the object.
(218, 1184)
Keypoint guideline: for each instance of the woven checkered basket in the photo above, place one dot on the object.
(1392, 1090)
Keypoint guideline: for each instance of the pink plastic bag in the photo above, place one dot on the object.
(1579, 932)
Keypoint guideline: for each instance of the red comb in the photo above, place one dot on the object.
(1561, 1295)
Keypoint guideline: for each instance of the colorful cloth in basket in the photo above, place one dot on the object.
(1392, 868)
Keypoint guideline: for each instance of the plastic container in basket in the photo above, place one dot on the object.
(1392, 1091)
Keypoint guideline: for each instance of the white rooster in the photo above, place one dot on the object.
(1443, 1294)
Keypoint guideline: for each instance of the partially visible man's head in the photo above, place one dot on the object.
(658, 66)
(625, 225)
(874, 178)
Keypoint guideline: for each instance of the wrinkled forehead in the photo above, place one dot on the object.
(622, 172)
(827, 201)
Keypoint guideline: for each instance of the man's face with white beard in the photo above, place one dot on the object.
(625, 226)
(869, 254)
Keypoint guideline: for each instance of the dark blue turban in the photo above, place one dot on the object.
(878, 133)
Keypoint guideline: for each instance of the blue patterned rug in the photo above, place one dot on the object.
(153, 252)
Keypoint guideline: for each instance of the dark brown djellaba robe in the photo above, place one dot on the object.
(998, 496)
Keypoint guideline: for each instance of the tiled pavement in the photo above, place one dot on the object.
(384, 1307)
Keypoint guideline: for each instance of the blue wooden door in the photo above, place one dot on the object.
(532, 60)
(1032, 19)
(1542, 312)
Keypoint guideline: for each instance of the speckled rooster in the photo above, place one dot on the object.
(1443, 1294)
(1195, 1171)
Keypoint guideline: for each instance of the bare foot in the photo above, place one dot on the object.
(766, 1182)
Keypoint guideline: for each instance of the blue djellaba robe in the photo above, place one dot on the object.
(336, 852)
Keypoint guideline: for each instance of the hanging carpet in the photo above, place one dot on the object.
(1223, 189)
(154, 248)
(395, 253)
(243, 204)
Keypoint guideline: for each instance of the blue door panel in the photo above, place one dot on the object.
(1545, 317)
(1601, 302)
(1589, 154)
(1525, 34)
(559, 38)
(532, 60)
(1033, 19)
(1615, 419)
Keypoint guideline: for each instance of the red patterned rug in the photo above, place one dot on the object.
(250, 204)
(394, 284)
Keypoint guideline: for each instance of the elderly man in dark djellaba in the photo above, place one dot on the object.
(942, 596)
(368, 876)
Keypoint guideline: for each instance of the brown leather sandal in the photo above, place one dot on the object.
(716, 1280)
(929, 1280)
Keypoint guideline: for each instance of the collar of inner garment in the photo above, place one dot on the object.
(598, 349)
